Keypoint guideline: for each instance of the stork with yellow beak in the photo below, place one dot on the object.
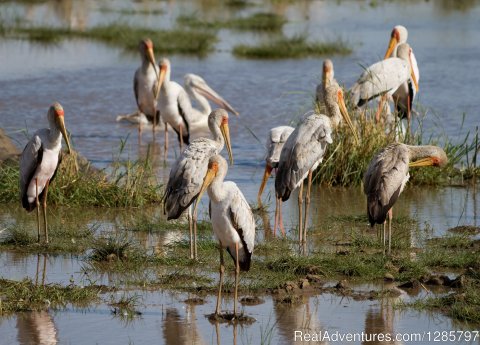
(387, 175)
(187, 173)
(146, 84)
(39, 163)
(386, 77)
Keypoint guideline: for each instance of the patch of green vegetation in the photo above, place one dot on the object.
(345, 162)
(113, 248)
(239, 3)
(24, 295)
(63, 239)
(145, 223)
(122, 35)
(255, 22)
(291, 48)
(463, 305)
(125, 307)
(129, 184)
(453, 251)
(132, 11)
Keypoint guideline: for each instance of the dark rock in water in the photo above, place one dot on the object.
(413, 284)
(434, 280)
(458, 282)
(194, 301)
(342, 284)
(230, 318)
(251, 300)
(466, 229)
(315, 278)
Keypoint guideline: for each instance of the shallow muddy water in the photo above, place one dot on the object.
(94, 83)
(166, 319)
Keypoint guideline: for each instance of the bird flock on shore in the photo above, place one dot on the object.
(294, 153)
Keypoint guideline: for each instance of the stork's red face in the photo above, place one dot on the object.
(58, 109)
(394, 39)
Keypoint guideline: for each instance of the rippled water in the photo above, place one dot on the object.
(94, 83)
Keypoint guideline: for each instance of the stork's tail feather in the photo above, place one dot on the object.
(377, 213)
(27, 205)
(244, 260)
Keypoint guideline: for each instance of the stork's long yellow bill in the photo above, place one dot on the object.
(423, 162)
(266, 175)
(226, 136)
(391, 45)
(61, 125)
(346, 117)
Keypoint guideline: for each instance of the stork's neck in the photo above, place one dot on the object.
(217, 136)
(54, 134)
(203, 104)
(216, 191)
(333, 112)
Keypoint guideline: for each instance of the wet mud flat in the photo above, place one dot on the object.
(138, 274)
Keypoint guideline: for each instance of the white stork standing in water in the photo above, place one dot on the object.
(187, 173)
(304, 151)
(275, 141)
(145, 85)
(232, 221)
(39, 162)
(176, 108)
(387, 175)
(387, 78)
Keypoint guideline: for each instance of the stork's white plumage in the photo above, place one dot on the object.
(232, 221)
(188, 171)
(304, 151)
(277, 137)
(387, 175)
(39, 162)
(176, 107)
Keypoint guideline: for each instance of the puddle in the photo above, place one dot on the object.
(166, 319)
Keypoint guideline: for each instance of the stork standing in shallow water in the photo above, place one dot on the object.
(387, 175)
(232, 221)
(385, 79)
(304, 151)
(275, 141)
(145, 85)
(188, 171)
(176, 107)
(39, 163)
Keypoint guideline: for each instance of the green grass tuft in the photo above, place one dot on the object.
(291, 48)
(18, 296)
(175, 41)
(255, 22)
(129, 184)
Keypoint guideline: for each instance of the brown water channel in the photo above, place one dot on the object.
(94, 84)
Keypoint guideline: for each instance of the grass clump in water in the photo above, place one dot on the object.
(129, 184)
(463, 305)
(291, 48)
(175, 41)
(255, 22)
(113, 248)
(63, 239)
(18, 296)
(345, 162)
